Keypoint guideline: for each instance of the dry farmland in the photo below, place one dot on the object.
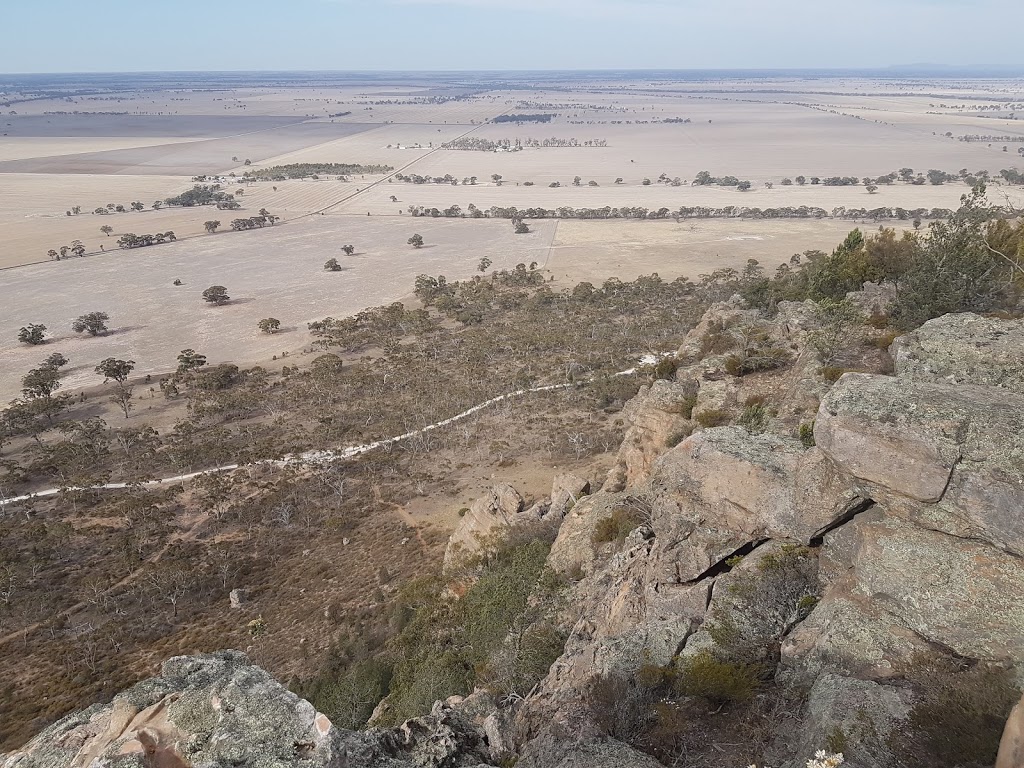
(648, 141)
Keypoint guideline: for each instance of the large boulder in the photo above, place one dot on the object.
(897, 588)
(489, 518)
(220, 710)
(753, 486)
(1011, 747)
(564, 751)
(964, 349)
(948, 456)
(657, 413)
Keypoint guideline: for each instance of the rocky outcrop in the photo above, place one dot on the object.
(501, 513)
(1011, 748)
(836, 566)
(220, 710)
(964, 349)
(950, 457)
(908, 510)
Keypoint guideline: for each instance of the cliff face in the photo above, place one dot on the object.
(903, 523)
(837, 567)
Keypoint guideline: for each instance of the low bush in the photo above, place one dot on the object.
(617, 526)
(959, 713)
(718, 682)
(712, 417)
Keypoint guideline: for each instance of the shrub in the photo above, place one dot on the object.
(666, 368)
(443, 647)
(832, 373)
(33, 334)
(754, 418)
(617, 526)
(677, 436)
(712, 417)
(806, 434)
(885, 341)
(719, 682)
(958, 716)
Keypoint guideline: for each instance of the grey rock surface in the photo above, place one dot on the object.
(964, 349)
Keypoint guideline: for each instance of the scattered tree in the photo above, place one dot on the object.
(93, 323)
(118, 371)
(190, 360)
(33, 334)
(522, 228)
(348, 249)
(416, 241)
(106, 229)
(484, 264)
(270, 325)
(211, 226)
(332, 265)
(216, 294)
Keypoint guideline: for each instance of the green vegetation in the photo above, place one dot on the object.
(619, 524)
(972, 262)
(201, 194)
(960, 708)
(216, 294)
(313, 170)
(32, 334)
(718, 682)
(534, 118)
(497, 635)
(93, 323)
(131, 240)
(712, 417)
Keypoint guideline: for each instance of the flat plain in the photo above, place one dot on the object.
(615, 143)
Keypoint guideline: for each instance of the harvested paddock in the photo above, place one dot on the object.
(274, 272)
(214, 155)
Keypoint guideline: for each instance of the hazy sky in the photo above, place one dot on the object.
(142, 35)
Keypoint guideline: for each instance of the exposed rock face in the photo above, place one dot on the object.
(220, 710)
(964, 349)
(1011, 748)
(960, 448)
(900, 534)
(911, 503)
(488, 516)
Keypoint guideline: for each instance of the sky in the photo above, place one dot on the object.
(196, 35)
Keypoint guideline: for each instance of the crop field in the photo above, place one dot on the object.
(274, 272)
(89, 151)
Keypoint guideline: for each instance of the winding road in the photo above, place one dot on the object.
(309, 457)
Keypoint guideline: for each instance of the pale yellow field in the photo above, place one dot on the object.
(753, 129)
(20, 148)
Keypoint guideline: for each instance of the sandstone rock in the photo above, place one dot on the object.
(654, 416)
(961, 594)
(964, 349)
(873, 298)
(1011, 747)
(574, 549)
(860, 713)
(565, 751)
(566, 491)
(958, 447)
(220, 710)
(206, 710)
(489, 516)
(754, 486)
